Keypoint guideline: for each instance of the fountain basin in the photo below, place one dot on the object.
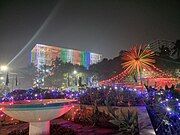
(37, 112)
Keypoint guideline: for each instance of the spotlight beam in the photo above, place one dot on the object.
(45, 23)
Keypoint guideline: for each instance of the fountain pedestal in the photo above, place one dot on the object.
(39, 128)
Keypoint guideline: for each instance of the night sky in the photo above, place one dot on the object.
(101, 26)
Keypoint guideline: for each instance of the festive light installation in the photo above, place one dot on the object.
(140, 60)
(163, 106)
(137, 59)
(116, 79)
(44, 55)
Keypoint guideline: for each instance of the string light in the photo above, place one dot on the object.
(168, 109)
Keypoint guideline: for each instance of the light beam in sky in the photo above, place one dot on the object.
(45, 23)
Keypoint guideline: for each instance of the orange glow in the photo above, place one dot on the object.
(161, 82)
(137, 59)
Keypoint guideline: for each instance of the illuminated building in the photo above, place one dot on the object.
(44, 55)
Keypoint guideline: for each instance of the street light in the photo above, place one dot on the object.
(74, 72)
(76, 78)
(4, 68)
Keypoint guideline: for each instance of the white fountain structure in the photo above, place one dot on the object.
(37, 112)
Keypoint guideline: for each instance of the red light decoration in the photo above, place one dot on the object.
(136, 60)
(115, 79)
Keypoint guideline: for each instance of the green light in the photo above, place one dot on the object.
(63, 55)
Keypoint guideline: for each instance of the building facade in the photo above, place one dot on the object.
(45, 55)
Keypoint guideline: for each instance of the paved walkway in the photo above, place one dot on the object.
(144, 122)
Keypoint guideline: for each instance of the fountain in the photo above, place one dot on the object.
(37, 112)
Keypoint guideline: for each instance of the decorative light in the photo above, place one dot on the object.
(137, 59)
(168, 109)
(74, 72)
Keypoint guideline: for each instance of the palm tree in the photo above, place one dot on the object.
(176, 49)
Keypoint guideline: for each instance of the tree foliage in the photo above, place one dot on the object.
(62, 74)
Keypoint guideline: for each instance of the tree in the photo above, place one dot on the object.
(62, 74)
(176, 49)
(27, 75)
(107, 67)
(164, 51)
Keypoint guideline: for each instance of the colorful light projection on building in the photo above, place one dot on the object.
(44, 55)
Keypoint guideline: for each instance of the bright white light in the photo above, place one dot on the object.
(4, 68)
(47, 70)
(104, 87)
(35, 95)
(168, 109)
(115, 87)
(74, 72)
(2, 78)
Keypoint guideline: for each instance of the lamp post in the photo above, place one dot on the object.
(75, 74)
(68, 84)
(4, 71)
